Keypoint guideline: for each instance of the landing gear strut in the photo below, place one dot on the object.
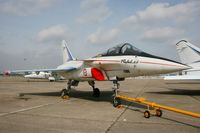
(65, 92)
(115, 87)
(116, 101)
(96, 91)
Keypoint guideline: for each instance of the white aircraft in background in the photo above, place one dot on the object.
(116, 64)
(40, 75)
(190, 55)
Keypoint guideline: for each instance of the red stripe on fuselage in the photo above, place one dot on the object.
(158, 63)
(102, 60)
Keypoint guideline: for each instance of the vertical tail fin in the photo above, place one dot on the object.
(188, 53)
(67, 56)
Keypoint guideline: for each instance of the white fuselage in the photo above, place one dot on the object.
(121, 67)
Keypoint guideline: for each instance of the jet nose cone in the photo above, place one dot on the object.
(184, 67)
(176, 66)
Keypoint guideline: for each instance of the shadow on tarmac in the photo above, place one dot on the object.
(105, 96)
(186, 124)
(178, 92)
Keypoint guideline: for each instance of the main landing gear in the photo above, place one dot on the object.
(96, 91)
(65, 92)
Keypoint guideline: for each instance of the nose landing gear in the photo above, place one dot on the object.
(96, 91)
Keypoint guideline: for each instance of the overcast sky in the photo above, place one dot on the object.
(31, 30)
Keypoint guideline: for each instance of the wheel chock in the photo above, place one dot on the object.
(120, 106)
(66, 97)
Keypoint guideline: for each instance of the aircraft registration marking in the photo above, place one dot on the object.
(129, 61)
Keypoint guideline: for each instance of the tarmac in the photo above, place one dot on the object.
(35, 106)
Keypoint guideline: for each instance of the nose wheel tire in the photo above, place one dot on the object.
(147, 114)
(116, 102)
(96, 92)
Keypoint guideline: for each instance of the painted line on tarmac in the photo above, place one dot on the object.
(25, 109)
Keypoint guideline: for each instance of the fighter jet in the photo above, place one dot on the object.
(115, 64)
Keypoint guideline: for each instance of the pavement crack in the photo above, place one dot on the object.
(115, 121)
(26, 109)
(198, 100)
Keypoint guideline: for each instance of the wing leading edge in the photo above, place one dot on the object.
(56, 70)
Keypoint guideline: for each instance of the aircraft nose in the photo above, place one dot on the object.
(176, 66)
(184, 67)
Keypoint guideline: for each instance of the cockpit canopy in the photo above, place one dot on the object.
(122, 49)
(128, 49)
